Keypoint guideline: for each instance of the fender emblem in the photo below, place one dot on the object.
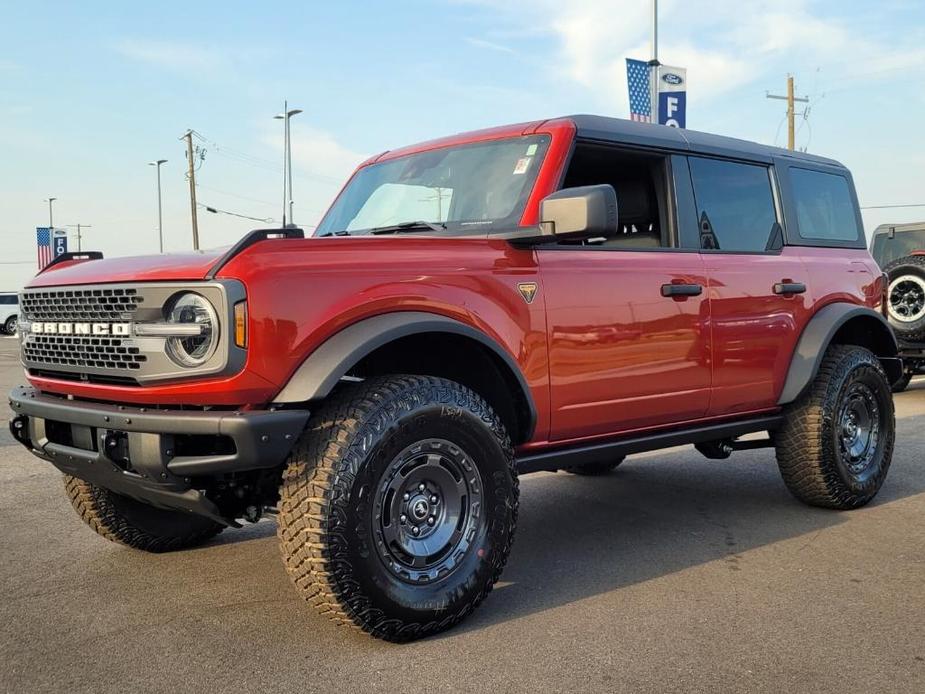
(527, 291)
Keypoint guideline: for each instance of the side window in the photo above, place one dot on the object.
(824, 206)
(735, 205)
(640, 182)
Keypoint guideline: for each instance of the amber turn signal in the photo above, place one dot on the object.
(240, 324)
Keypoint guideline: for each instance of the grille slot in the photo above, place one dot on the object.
(92, 352)
(81, 304)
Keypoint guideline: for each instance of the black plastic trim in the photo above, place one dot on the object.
(249, 240)
(324, 367)
(816, 337)
(598, 452)
(262, 439)
(73, 255)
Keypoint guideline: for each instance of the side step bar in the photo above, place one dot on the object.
(598, 452)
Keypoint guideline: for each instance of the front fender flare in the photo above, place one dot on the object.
(817, 336)
(332, 360)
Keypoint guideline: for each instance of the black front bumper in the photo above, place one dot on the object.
(77, 436)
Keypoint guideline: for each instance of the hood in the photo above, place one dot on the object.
(142, 268)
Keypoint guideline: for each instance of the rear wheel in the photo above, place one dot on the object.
(136, 524)
(596, 469)
(398, 506)
(836, 445)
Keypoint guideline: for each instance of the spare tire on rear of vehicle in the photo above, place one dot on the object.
(906, 297)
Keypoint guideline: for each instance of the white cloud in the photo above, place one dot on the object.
(173, 55)
(490, 45)
(725, 46)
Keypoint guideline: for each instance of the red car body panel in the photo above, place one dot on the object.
(601, 350)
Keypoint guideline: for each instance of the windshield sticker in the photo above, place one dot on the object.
(522, 165)
(531, 150)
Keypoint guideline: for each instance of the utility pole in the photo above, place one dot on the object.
(790, 99)
(79, 235)
(51, 222)
(192, 186)
(160, 225)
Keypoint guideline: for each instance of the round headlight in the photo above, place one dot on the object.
(192, 310)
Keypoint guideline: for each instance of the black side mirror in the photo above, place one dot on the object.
(584, 211)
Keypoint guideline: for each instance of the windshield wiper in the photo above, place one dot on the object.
(334, 233)
(405, 227)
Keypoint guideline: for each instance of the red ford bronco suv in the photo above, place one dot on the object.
(552, 295)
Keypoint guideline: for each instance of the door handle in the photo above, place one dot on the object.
(785, 288)
(682, 289)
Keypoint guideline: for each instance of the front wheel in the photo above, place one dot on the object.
(9, 327)
(836, 444)
(398, 506)
(136, 524)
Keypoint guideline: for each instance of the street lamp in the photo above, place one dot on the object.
(160, 226)
(287, 157)
(51, 224)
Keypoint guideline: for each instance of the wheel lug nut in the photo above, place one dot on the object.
(402, 518)
(415, 530)
(431, 520)
(433, 499)
(421, 487)
(406, 496)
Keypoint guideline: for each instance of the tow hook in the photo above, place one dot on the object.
(19, 428)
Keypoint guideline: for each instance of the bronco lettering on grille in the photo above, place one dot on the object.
(56, 328)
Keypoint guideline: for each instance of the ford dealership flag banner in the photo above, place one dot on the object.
(50, 243)
(672, 96)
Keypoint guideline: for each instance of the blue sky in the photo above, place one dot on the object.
(90, 92)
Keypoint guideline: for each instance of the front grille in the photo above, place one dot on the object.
(90, 332)
(81, 304)
(92, 352)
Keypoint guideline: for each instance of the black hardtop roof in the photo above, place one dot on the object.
(899, 228)
(651, 135)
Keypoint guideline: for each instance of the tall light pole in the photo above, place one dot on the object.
(160, 225)
(51, 221)
(287, 158)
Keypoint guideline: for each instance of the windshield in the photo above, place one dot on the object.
(480, 185)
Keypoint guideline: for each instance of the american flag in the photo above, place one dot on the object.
(43, 239)
(637, 79)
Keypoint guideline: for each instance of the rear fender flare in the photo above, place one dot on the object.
(818, 335)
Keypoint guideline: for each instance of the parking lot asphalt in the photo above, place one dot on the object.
(676, 573)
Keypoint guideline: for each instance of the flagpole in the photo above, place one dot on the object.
(653, 65)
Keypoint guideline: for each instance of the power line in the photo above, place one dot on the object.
(890, 207)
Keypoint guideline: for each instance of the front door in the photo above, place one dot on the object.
(629, 342)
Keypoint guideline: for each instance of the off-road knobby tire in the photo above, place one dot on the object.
(912, 331)
(902, 383)
(326, 515)
(807, 443)
(596, 469)
(134, 523)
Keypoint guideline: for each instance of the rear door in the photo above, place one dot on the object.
(757, 287)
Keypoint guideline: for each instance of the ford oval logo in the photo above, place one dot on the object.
(672, 78)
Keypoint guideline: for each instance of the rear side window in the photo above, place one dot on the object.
(824, 207)
(735, 205)
(8, 299)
